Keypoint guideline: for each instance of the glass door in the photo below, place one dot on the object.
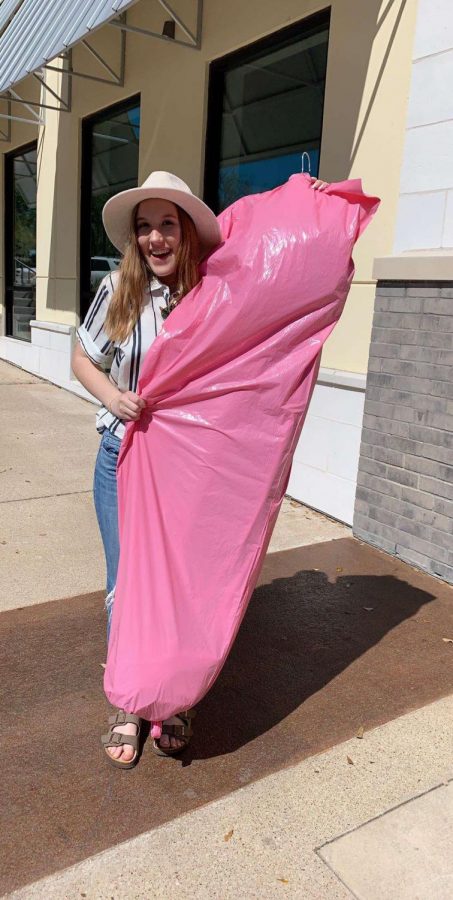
(20, 241)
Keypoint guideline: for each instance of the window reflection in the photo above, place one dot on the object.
(269, 112)
(111, 156)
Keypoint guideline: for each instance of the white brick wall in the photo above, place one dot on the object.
(431, 98)
(434, 32)
(420, 221)
(326, 460)
(425, 213)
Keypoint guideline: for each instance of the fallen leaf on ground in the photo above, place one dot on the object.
(283, 880)
(447, 640)
(369, 608)
(360, 732)
(339, 569)
(227, 837)
(350, 761)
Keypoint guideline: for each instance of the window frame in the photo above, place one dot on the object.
(217, 71)
(9, 225)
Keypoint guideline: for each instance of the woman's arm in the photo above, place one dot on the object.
(124, 404)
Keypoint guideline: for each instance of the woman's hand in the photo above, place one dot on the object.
(126, 405)
(123, 404)
(318, 185)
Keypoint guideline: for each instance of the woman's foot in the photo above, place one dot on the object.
(122, 752)
(166, 740)
(125, 752)
(176, 734)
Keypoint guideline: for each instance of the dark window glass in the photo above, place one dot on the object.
(20, 241)
(265, 112)
(110, 164)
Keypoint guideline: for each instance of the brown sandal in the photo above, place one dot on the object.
(118, 739)
(183, 732)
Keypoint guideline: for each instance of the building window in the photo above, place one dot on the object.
(265, 112)
(20, 241)
(110, 146)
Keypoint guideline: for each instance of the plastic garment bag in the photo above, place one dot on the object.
(202, 475)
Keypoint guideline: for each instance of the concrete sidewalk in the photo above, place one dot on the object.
(334, 709)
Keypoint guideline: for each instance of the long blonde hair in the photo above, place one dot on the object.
(134, 275)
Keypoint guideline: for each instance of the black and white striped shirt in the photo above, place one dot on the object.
(123, 359)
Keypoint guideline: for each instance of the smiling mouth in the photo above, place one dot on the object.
(161, 254)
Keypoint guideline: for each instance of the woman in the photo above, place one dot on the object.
(164, 231)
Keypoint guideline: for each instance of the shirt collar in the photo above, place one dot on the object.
(155, 286)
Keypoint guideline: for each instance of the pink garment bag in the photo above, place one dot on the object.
(202, 475)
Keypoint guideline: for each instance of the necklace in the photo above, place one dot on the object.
(171, 301)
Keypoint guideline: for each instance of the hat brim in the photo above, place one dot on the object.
(117, 213)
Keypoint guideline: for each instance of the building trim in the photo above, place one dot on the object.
(355, 381)
(423, 266)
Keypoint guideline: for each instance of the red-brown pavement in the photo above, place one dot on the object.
(338, 636)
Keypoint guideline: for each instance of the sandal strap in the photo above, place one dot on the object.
(121, 717)
(118, 739)
(179, 731)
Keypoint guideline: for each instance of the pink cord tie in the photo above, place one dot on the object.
(156, 730)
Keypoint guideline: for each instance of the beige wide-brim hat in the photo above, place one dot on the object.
(117, 212)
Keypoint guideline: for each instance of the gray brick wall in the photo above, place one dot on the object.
(404, 499)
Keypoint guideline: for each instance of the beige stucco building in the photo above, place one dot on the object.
(359, 100)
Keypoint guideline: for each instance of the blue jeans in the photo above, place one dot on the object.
(106, 505)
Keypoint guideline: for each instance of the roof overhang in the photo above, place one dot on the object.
(47, 31)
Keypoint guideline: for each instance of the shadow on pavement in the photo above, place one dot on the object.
(298, 635)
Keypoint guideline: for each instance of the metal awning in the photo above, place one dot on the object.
(33, 33)
(7, 10)
(38, 32)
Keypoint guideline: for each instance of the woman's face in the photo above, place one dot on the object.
(158, 233)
